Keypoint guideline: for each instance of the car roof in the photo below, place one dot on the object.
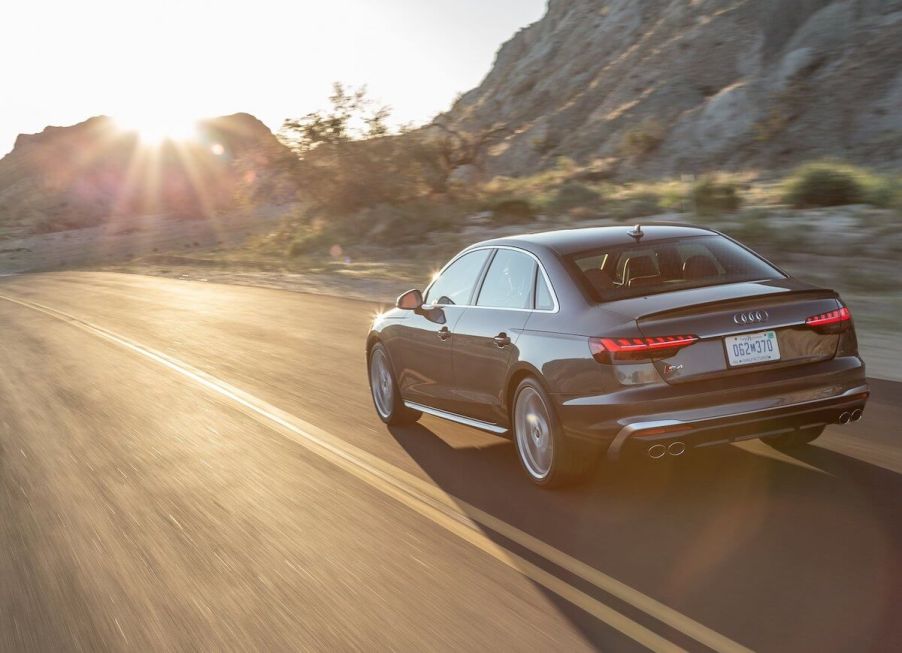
(571, 241)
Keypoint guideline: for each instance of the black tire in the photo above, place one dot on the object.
(795, 439)
(565, 463)
(386, 396)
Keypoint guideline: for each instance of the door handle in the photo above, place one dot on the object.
(502, 339)
(444, 333)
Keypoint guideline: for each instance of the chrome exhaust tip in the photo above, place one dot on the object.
(856, 414)
(676, 448)
(844, 418)
(657, 451)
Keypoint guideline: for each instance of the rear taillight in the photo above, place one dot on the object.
(606, 350)
(831, 317)
(833, 321)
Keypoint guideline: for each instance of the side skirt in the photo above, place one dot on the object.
(454, 417)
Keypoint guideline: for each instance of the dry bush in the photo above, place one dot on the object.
(711, 196)
(642, 139)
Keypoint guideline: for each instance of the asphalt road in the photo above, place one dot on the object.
(189, 466)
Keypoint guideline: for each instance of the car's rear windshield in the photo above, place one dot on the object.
(648, 268)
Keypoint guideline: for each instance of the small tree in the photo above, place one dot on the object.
(352, 116)
(350, 159)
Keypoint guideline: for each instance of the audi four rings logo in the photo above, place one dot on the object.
(751, 317)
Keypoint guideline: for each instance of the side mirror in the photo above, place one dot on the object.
(410, 301)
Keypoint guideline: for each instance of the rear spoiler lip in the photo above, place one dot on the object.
(826, 292)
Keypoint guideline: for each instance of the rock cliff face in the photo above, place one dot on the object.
(673, 86)
(93, 172)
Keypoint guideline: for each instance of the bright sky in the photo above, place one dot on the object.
(172, 61)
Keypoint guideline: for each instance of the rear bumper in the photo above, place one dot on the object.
(714, 412)
(737, 426)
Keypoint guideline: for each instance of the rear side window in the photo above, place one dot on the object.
(509, 281)
(455, 285)
(667, 265)
(544, 301)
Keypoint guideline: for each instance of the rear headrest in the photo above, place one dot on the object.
(699, 267)
(639, 266)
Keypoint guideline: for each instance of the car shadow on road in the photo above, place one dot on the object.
(718, 534)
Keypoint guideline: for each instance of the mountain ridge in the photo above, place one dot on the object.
(92, 172)
(669, 87)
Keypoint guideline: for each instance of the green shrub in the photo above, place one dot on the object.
(572, 195)
(884, 192)
(710, 196)
(824, 184)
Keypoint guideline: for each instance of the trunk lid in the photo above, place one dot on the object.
(716, 313)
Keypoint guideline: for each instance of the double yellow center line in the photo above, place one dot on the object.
(452, 514)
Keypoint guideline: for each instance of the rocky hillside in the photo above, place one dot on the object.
(663, 87)
(93, 172)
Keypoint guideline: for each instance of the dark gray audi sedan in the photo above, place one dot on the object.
(589, 342)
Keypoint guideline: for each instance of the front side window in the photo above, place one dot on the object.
(667, 265)
(509, 281)
(456, 283)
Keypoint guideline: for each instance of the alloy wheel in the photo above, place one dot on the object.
(381, 384)
(533, 432)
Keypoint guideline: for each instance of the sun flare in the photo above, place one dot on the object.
(155, 129)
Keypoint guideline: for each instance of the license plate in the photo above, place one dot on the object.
(752, 348)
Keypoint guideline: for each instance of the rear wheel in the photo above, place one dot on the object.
(795, 439)
(547, 457)
(384, 388)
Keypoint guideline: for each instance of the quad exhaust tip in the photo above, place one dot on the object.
(657, 451)
(845, 417)
(676, 449)
(856, 414)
